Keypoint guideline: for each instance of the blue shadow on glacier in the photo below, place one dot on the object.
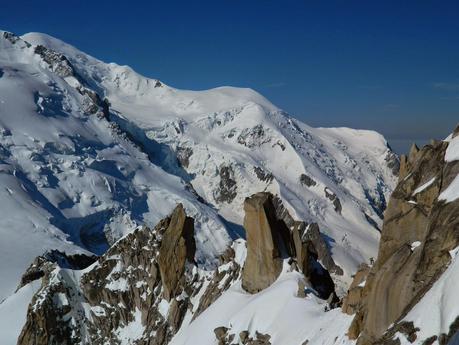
(158, 153)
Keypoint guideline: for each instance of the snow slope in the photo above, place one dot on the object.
(235, 137)
(70, 180)
(277, 311)
(75, 178)
(442, 303)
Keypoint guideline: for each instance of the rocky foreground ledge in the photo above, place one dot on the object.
(148, 282)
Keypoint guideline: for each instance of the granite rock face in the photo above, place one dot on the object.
(267, 243)
(272, 236)
(148, 280)
(354, 297)
(177, 247)
(419, 231)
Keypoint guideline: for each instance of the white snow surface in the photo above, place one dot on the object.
(240, 129)
(13, 313)
(452, 151)
(132, 331)
(277, 311)
(69, 181)
(439, 307)
(415, 244)
(451, 192)
(424, 186)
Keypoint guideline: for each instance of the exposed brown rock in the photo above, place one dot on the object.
(124, 281)
(125, 285)
(353, 299)
(403, 167)
(220, 282)
(221, 335)
(40, 265)
(414, 149)
(226, 337)
(47, 324)
(307, 181)
(266, 245)
(306, 234)
(402, 274)
(273, 235)
(308, 244)
(177, 246)
(334, 199)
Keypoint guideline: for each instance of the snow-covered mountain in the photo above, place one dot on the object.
(71, 179)
(232, 142)
(89, 151)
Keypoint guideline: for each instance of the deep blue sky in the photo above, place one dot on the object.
(388, 66)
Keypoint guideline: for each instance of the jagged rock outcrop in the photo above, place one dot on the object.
(272, 236)
(304, 234)
(177, 247)
(307, 180)
(263, 175)
(183, 155)
(228, 272)
(334, 199)
(147, 281)
(268, 243)
(419, 231)
(40, 265)
(393, 162)
(227, 187)
(224, 337)
(60, 64)
(354, 297)
(69, 149)
(128, 285)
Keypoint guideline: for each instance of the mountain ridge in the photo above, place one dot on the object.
(94, 150)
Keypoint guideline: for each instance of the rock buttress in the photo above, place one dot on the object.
(272, 236)
(418, 232)
(177, 247)
(266, 245)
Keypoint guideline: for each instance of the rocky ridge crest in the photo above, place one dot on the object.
(149, 280)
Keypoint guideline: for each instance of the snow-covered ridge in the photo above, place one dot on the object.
(70, 179)
(225, 139)
(90, 150)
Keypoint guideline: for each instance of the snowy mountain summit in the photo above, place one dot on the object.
(95, 158)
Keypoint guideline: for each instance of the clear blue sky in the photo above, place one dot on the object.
(392, 66)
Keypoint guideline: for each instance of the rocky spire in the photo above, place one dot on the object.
(272, 236)
(268, 243)
(125, 285)
(177, 247)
